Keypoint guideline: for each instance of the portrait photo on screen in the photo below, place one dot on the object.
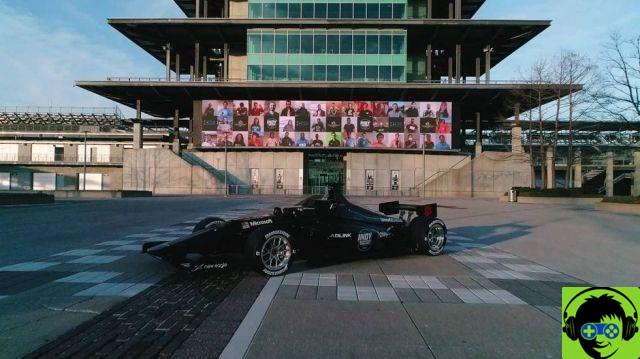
(303, 109)
(378, 139)
(349, 140)
(334, 124)
(225, 136)
(428, 141)
(442, 142)
(302, 139)
(209, 139)
(396, 140)
(225, 111)
(428, 109)
(209, 110)
(256, 125)
(318, 124)
(241, 110)
(334, 109)
(240, 123)
(239, 138)
(287, 124)
(317, 139)
(223, 126)
(256, 108)
(271, 115)
(380, 108)
(412, 109)
(287, 108)
(333, 139)
(348, 126)
(365, 124)
(411, 124)
(364, 140)
(411, 140)
(364, 109)
(396, 109)
(271, 139)
(287, 139)
(396, 124)
(254, 139)
(349, 109)
(380, 124)
(210, 124)
(318, 109)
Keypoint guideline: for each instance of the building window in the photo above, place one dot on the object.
(327, 9)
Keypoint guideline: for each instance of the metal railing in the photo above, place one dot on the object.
(63, 110)
(60, 158)
(25, 127)
(211, 78)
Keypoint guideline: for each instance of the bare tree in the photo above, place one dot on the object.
(619, 96)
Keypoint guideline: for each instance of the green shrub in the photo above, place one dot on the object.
(553, 192)
(622, 199)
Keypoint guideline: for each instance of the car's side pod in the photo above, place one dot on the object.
(427, 210)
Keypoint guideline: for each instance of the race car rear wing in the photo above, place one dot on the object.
(427, 210)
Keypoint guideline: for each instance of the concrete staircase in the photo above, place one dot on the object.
(236, 186)
(591, 174)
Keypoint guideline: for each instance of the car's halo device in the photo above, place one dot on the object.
(271, 242)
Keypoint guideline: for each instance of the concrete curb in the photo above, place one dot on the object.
(625, 208)
(555, 200)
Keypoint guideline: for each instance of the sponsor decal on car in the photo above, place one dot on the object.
(365, 238)
(340, 235)
(391, 219)
(256, 223)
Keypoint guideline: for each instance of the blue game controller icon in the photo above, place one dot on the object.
(590, 330)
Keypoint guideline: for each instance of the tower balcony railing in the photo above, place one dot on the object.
(212, 78)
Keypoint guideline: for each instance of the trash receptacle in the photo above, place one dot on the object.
(513, 195)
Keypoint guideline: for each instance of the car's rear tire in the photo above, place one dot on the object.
(208, 223)
(269, 250)
(428, 236)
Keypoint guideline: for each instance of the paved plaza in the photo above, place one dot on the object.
(73, 283)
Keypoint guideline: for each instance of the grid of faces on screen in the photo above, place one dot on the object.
(350, 124)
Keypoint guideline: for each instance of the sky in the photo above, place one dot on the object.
(49, 44)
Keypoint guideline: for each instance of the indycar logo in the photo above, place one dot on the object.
(340, 235)
(365, 238)
(247, 225)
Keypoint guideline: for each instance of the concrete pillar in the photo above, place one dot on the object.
(551, 176)
(177, 67)
(609, 181)
(429, 9)
(138, 138)
(167, 48)
(197, 9)
(204, 68)
(450, 70)
(635, 190)
(206, 8)
(176, 131)
(487, 64)
(478, 135)
(458, 62)
(516, 131)
(451, 10)
(429, 65)
(196, 65)
(478, 70)
(191, 73)
(458, 9)
(577, 170)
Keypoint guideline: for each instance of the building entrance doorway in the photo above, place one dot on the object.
(323, 169)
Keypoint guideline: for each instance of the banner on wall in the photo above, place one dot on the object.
(369, 178)
(350, 124)
(395, 180)
(279, 178)
(255, 178)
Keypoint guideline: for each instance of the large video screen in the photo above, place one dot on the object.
(350, 124)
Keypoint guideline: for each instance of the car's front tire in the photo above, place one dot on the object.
(208, 223)
(429, 236)
(269, 250)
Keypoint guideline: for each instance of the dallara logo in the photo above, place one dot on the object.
(340, 235)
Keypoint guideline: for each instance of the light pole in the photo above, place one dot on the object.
(424, 170)
(84, 176)
(226, 187)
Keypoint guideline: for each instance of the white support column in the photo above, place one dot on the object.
(450, 70)
(609, 178)
(487, 63)
(551, 176)
(225, 70)
(197, 9)
(478, 135)
(177, 67)
(196, 65)
(635, 190)
(516, 131)
(138, 137)
(458, 9)
(429, 9)
(451, 10)
(577, 170)
(176, 131)
(167, 48)
(204, 68)
(206, 8)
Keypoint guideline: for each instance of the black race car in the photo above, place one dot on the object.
(317, 227)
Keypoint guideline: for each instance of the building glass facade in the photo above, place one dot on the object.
(326, 55)
(334, 9)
